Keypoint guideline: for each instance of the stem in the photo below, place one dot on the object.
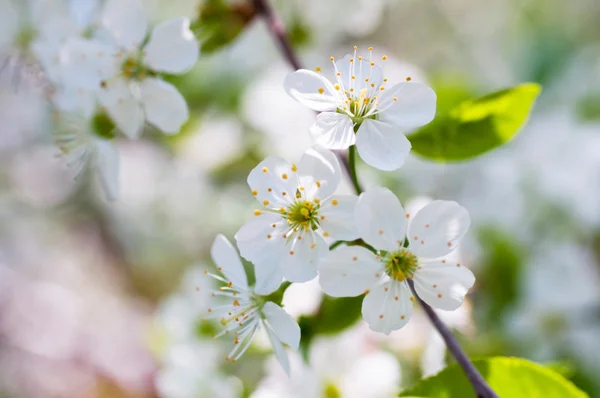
(351, 169)
(277, 29)
(482, 389)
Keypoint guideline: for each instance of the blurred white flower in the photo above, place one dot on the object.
(122, 68)
(248, 311)
(343, 366)
(286, 238)
(82, 148)
(359, 109)
(189, 371)
(434, 232)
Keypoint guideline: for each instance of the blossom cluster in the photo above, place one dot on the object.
(103, 68)
(356, 245)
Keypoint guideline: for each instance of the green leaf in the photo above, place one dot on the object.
(476, 126)
(508, 377)
(221, 22)
(499, 278)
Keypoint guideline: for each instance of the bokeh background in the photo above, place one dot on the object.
(104, 299)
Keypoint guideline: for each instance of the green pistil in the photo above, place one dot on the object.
(303, 213)
(401, 264)
(331, 391)
(133, 68)
(103, 126)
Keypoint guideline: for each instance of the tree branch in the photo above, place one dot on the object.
(482, 389)
(480, 386)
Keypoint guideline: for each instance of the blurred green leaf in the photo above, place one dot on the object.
(498, 281)
(588, 107)
(509, 377)
(220, 23)
(476, 126)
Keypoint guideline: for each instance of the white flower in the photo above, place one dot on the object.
(286, 238)
(345, 365)
(433, 233)
(82, 148)
(246, 311)
(123, 68)
(188, 371)
(359, 102)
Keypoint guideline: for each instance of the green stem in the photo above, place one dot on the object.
(352, 169)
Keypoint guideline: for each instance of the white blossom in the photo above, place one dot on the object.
(433, 233)
(82, 148)
(123, 68)
(245, 311)
(299, 210)
(360, 109)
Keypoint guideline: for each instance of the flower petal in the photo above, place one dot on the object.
(336, 217)
(228, 261)
(274, 181)
(437, 228)
(279, 351)
(86, 63)
(349, 271)
(388, 307)
(258, 241)
(414, 106)
(442, 284)
(319, 172)
(380, 219)
(283, 325)
(333, 131)
(382, 145)
(164, 105)
(125, 21)
(107, 166)
(300, 261)
(123, 108)
(269, 276)
(312, 90)
(172, 47)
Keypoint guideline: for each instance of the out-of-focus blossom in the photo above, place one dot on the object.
(359, 109)
(189, 371)
(248, 311)
(122, 69)
(300, 209)
(344, 366)
(82, 148)
(433, 233)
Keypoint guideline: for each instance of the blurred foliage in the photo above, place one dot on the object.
(477, 126)
(220, 22)
(509, 377)
(498, 282)
(588, 107)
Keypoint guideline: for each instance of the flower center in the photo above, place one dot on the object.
(331, 391)
(133, 68)
(303, 213)
(400, 265)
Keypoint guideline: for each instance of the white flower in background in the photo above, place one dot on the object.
(359, 108)
(286, 238)
(189, 371)
(434, 232)
(344, 366)
(123, 68)
(246, 311)
(82, 148)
